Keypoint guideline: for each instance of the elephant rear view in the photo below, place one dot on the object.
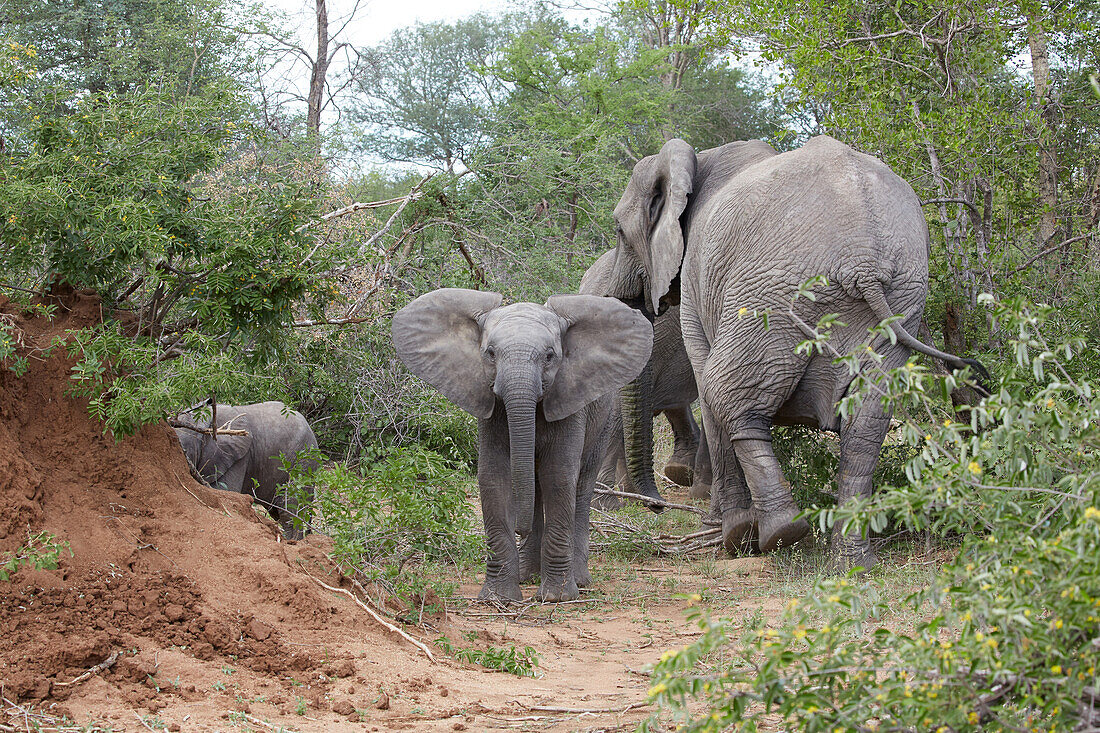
(251, 463)
(728, 242)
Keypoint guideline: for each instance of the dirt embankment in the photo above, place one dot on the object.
(161, 566)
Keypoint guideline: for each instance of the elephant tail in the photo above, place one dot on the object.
(876, 298)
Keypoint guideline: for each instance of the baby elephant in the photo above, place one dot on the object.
(539, 379)
(252, 463)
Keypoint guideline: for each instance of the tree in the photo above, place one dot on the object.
(177, 46)
(281, 59)
(426, 93)
(932, 90)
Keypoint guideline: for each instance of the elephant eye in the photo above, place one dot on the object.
(491, 352)
(549, 356)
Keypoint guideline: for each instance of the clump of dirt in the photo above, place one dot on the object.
(157, 561)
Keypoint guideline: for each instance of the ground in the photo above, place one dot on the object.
(179, 607)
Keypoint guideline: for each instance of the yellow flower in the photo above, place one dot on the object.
(1050, 403)
(657, 689)
(947, 423)
(1092, 512)
(972, 718)
(1056, 669)
(975, 468)
(742, 311)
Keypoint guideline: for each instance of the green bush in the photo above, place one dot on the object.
(1006, 636)
(395, 519)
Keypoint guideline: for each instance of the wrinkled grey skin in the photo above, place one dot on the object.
(743, 227)
(251, 464)
(672, 389)
(538, 378)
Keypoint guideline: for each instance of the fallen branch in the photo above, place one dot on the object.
(104, 665)
(256, 721)
(591, 711)
(16, 287)
(330, 322)
(413, 195)
(607, 491)
(377, 617)
(207, 431)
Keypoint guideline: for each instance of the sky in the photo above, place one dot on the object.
(376, 19)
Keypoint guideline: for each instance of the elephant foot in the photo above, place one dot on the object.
(846, 555)
(739, 531)
(699, 490)
(500, 591)
(780, 529)
(582, 578)
(679, 473)
(551, 592)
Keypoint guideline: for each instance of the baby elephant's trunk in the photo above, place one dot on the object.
(520, 405)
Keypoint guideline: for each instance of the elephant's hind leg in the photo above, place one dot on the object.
(731, 502)
(861, 437)
(530, 547)
(680, 468)
(775, 506)
(586, 483)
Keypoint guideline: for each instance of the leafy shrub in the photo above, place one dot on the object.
(42, 551)
(1007, 637)
(393, 519)
(520, 662)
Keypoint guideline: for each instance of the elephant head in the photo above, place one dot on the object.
(212, 458)
(562, 355)
(648, 218)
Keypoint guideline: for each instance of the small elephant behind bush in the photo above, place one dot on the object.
(539, 379)
(251, 463)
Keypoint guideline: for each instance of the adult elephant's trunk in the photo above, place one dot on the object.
(637, 406)
(519, 402)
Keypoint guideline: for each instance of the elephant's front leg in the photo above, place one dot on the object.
(494, 485)
(558, 472)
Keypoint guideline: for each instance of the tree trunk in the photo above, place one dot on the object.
(1048, 156)
(320, 71)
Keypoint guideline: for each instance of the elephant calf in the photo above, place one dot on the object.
(539, 379)
(252, 463)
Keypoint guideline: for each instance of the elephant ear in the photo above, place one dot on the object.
(605, 344)
(438, 337)
(665, 185)
(229, 450)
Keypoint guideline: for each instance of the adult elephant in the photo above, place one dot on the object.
(671, 390)
(734, 231)
(250, 463)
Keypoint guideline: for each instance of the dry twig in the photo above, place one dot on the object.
(104, 665)
(376, 616)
